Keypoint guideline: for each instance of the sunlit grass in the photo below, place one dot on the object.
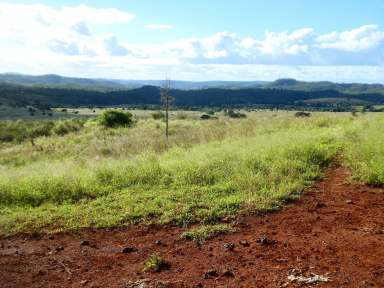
(209, 170)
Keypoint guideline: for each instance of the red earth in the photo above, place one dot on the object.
(335, 230)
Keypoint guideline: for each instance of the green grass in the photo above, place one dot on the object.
(364, 152)
(155, 263)
(210, 169)
(206, 232)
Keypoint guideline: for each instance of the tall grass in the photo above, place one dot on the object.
(364, 152)
(209, 171)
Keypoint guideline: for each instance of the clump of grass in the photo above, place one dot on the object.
(202, 233)
(155, 263)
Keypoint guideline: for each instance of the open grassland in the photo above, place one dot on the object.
(97, 177)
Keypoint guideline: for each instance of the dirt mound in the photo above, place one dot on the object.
(333, 236)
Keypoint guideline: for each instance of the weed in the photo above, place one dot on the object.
(155, 263)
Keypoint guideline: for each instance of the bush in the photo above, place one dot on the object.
(181, 115)
(302, 114)
(114, 118)
(158, 115)
(232, 114)
(67, 126)
(205, 117)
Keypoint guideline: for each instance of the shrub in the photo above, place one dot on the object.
(114, 118)
(302, 114)
(205, 117)
(64, 127)
(158, 115)
(232, 114)
(181, 115)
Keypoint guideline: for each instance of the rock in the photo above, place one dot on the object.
(229, 246)
(228, 273)
(266, 241)
(84, 243)
(349, 201)
(143, 283)
(59, 248)
(320, 205)
(245, 243)
(294, 276)
(158, 242)
(51, 237)
(210, 274)
(225, 220)
(84, 282)
(128, 249)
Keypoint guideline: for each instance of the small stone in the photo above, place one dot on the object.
(51, 237)
(158, 242)
(84, 243)
(40, 273)
(245, 243)
(128, 249)
(320, 205)
(228, 273)
(349, 201)
(225, 220)
(210, 274)
(59, 248)
(229, 246)
(84, 282)
(266, 241)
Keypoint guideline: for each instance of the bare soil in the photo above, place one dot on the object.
(336, 230)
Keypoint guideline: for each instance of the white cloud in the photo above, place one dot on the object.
(363, 38)
(159, 26)
(41, 39)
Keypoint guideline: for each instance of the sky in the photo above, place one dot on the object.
(241, 40)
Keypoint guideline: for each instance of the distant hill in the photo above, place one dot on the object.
(56, 81)
(52, 80)
(349, 88)
(213, 97)
(54, 90)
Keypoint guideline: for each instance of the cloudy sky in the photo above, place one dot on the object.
(338, 40)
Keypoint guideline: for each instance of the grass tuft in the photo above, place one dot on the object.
(155, 263)
(203, 233)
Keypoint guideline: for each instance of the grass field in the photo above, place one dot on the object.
(98, 177)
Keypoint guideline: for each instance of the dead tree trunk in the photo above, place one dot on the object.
(166, 100)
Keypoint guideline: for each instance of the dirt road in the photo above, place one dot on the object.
(336, 230)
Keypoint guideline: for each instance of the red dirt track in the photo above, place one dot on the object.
(336, 230)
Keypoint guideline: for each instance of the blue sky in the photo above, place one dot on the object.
(195, 40)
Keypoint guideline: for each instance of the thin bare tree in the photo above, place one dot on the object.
(166, 100)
